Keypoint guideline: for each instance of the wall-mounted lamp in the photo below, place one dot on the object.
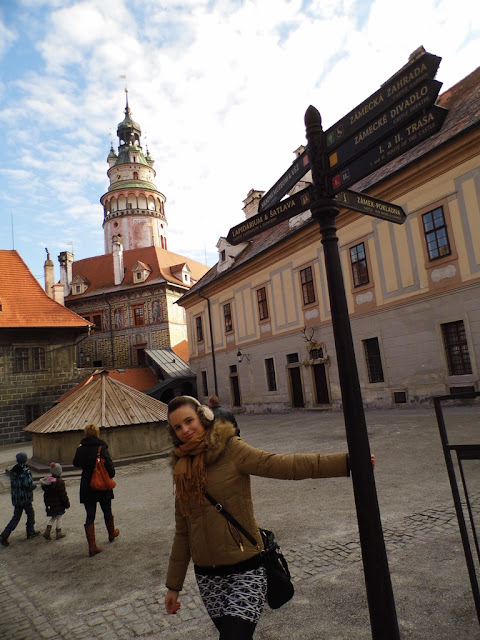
(241, 356)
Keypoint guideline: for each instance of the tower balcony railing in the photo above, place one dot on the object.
(121, 213)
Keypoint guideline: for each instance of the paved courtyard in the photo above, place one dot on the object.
(53, 590)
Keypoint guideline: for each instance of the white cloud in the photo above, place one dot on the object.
(219, 88)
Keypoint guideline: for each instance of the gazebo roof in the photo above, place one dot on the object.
(105, 402)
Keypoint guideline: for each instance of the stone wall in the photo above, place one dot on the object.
(32, 393)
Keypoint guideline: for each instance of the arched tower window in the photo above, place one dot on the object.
(135, 175)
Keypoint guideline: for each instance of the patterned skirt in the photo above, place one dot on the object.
(236, 594)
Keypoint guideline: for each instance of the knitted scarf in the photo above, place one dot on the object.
(190, 472)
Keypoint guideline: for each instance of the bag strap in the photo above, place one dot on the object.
(98, 452)
(220, 508)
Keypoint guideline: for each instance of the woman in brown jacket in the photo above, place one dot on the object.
(207, 456)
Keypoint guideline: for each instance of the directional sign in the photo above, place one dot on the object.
(418, 99)
(389, 93)
(371, 206)
(283, 210)
(411, 134)
(289, 179)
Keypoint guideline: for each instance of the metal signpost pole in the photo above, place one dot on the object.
(383, 618)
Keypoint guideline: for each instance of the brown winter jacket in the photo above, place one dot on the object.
(204, 535)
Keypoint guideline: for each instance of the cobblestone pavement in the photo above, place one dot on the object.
(54, 591)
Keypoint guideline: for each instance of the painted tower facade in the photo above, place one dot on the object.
(134, 209)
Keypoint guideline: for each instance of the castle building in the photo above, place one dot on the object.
(129, 293)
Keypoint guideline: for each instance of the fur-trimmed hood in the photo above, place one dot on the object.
(217, 438)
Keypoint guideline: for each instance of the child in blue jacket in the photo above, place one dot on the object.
(21, 487)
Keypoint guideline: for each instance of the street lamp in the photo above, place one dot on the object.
(241, 356)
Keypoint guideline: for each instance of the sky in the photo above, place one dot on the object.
(219, 88)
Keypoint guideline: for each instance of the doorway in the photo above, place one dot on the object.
(320, 384)
(296, 389)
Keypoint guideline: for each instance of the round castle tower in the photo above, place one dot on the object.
(134, 210)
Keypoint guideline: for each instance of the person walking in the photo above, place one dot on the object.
(221, 412)
(85, 457)
(21, 488)
(207, 456)
(56, 501)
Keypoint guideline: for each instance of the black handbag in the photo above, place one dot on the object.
(279, 585)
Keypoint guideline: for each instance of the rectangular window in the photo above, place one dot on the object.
(456, 348)
(38, 358)
(199, 328)
(262, 303)
(358, 261)
(32, 412)
(21, 359)
(373, 359)
(29, 359)
(227, 315)
(270, 371)
(436, 235)
(138, 316)
(204, 383)
(292, 358)
(96, 319)
(308, 289)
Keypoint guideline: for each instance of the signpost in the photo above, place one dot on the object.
(416, 101)
(371, 206)
(411, 134)
(283, 185)
(394, 119)
(283, 210)
(425, 66)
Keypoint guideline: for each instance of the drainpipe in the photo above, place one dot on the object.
(111, 330)
(211, 342)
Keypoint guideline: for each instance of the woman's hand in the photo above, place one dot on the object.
(372, 458)
(171, 602)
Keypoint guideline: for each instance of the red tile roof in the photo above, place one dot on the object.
(181, 349)
(23, 301)
(99, 270)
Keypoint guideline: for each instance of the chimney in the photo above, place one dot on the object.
(117, 251)
(66, 261)
(251, 202)
(58, 293)
(49, 273)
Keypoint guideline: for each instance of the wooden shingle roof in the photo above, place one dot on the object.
(23, 302)
(105, 402)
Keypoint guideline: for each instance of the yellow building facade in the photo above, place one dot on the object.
(259, 324)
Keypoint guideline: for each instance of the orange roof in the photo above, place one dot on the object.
(24, 303)
(181, 349)
(99, 269)
(140, 379)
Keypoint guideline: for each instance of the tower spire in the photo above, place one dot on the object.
(133, 207)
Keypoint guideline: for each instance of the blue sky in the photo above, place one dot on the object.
(219, 87)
